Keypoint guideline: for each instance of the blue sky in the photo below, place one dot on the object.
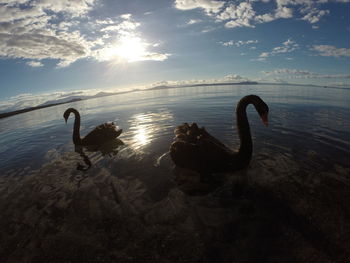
(52, 48)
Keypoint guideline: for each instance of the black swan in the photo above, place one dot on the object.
(195, 149)
(98, 136)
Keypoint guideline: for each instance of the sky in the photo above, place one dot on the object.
(52, 49)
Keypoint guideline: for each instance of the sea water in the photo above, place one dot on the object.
(299, 177)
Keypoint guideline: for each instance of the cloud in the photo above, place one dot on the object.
(34, 64)
(264, 55)
(35, 30)
(13, 13)
(287, 47)
(74, 8)
(27, 100)
(238, 43)
(314, 15)
(280, 12)
(304, 74)
(208, 29)
(232, 77)
(209, 6)
(238, 15)
(66, 48)
(124, 26)
(193, 21)
(126, 16)
(331, 51)
(243, 13)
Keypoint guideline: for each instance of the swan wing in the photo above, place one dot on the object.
(194, 148)
(102, 134)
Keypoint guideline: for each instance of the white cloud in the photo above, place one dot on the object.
(286, 47)
(210, 6)
(244, 14)
(34, 64)
(238, 43)
(232, 77)
(264, 55)
(283, 12)
(123, 26)
(208, 29)
(74, 8)
(32, 30)
(314, 15)
(126, 16)
(331, 51)
(280, 12)
(12, 13)
(238, 15)
(27, 100)
(304, 74)
(193, 21)
(66, 48)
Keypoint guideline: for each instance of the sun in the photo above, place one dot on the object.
(126, 49)
(131, 49)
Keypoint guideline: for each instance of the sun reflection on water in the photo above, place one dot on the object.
(145, 127)
(141, 136)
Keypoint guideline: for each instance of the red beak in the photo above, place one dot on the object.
(265, 119)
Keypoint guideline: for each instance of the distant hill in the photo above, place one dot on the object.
(225, 83)
(75, 98)
(8, 114)
(206, 85)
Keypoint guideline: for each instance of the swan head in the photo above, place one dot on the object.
(68, 112)
(261, 108)
(263, 111)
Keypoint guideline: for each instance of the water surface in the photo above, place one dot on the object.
(133, 206)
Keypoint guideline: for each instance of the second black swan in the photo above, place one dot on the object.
(195, 149)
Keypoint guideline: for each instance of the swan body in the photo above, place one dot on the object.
(100, 135)
(194, 148)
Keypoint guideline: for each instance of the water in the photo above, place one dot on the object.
(133, 206)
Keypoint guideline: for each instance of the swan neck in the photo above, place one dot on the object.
(76, 130)
(246, 145)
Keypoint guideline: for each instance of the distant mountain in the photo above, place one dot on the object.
(205, 85)
(75, 98)
(61, 101)
(8, 114)
(225, 84)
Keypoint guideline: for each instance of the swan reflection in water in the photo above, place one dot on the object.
(103, 139)
(110, 148)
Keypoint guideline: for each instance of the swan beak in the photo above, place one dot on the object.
(265, 119)
(65, 120)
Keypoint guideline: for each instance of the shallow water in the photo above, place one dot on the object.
(293, 198)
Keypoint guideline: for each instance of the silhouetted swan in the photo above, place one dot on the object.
(194, 148)
(100, 135)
